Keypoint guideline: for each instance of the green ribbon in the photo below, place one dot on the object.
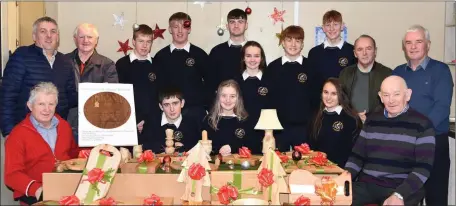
(237, 182)
(320, 171)
(93, 188)
(271, 165)
(142, 168)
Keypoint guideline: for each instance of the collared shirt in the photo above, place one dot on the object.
(186, 47)
(327, 44)
(337, 109)
(48, 134)
(52, 59)
(134, 57)
(246, 75)
(230, 42)
(422, 65)
(164, 120)
(285, 59)
(385, 112)
(368, 68)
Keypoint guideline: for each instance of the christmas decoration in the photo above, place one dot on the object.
(279, 35)
(221, 28)
(187, 24)
(107, 201)
(135, 26)
(277, 16)
(153, 200)
(245, 165)
(248, 10)
(124, 47)
(245, 152)
(227, 193)
(119, 20)
(296, 155)
(158, 32)
(303, 148)
(302, 201)
(84, 153)
(69, 200)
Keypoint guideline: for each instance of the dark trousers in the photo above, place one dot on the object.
(372, 194)
(290, 136)
(437, 184)
(29, 200)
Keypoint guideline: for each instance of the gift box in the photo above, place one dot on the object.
(143, 168)
(236, 159)
(245, 181)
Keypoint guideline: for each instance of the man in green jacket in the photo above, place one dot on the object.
(362, 81)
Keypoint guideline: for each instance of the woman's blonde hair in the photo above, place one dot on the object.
(216, 111)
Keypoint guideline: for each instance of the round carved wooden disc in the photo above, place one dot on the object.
(107, 110)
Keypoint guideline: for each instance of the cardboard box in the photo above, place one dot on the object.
(335, 190)
(124, 186)
(132, 167)
(242, 179)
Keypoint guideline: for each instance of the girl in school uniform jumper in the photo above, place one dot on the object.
(254, 89)
(336, 125)
(226, 122)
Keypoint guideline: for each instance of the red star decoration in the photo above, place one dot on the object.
(124, 47)
(158, 32)
(277, 15)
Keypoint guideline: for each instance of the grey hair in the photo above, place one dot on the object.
(86, 26)
(41, 20)
(47, 88)
(416, 28)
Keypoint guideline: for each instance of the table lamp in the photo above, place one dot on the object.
(268, 121)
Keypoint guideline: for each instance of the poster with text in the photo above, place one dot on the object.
(320, 36)
(106, 115)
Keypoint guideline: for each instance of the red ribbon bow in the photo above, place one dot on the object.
(245, 152)
(302, 201)
(319, 159)
(95, 175)
(84, 153)
(266, 177)
(227, 193)
(146, 156)
(107, 201)
(284, 158)
(196, 171)
(153, 200)
(69, 200)
(303, 148)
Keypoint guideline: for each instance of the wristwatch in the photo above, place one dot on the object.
(398, 196)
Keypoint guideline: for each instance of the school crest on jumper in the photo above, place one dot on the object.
(240, 133)
(190, 62)
(262, 91)
(343, 61)
(152, 77)
(178, 136)
(302, 77)
(338, 126)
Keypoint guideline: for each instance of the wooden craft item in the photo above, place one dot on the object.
(272, 162)
(104, 159)
(320, 190)
(75, 164)
(236, 159)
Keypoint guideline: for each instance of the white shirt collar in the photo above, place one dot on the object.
(230, 42)
(186, 47)
(338, 109)
(285, 59)
(134, 57)
(165, 120)
(339, 45)
(246, 75)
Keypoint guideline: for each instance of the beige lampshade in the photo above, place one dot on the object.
(268, 120)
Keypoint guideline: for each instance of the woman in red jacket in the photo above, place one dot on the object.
(36, 145)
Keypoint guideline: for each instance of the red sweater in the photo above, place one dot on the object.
(28, 155)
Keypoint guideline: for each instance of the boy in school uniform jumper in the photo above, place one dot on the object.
(185, 66)
(334, 54)
(139, 69)
(186, 131)
(226, 57)
(292, 87)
